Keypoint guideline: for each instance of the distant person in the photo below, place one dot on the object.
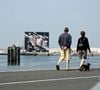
(82, 47)
(64, 41)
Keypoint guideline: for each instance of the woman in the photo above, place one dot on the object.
(83, 47)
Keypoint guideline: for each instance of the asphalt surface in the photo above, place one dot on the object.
(49, 80)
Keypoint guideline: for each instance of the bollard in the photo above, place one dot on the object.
(13, 55)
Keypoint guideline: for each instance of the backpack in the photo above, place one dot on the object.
(81, 43)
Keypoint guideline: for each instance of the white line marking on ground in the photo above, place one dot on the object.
(47, 80)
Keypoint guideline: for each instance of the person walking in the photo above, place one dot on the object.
(82, 48)
(64, 41)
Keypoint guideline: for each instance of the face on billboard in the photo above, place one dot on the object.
(37, 41)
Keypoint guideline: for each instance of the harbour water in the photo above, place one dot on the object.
(29, 63)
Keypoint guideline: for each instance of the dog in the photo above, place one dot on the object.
(85, 67)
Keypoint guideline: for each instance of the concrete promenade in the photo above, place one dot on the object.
(49, 80)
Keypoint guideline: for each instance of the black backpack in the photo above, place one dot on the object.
(82, 43)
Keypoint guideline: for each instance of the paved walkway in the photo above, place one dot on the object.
(49, 80)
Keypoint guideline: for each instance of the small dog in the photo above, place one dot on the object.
(85, 67)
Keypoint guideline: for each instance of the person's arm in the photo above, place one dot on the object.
(88, 46)
(69, 41)
(77, 45)
(59, 41)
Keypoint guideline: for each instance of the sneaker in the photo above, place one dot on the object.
(57, 67)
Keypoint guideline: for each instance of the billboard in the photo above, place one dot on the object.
(37, 41)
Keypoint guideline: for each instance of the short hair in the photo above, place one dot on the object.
(66, 29)
(82, 33)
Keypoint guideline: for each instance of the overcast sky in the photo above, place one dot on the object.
(18, 16)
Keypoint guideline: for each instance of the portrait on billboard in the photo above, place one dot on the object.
(37, 41)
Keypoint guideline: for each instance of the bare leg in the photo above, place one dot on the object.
(82, 62)
(67, 64)
(68, 60)
(59, 61)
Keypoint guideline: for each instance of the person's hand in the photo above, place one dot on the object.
(64, 48)
(76, 51)
(89, 51)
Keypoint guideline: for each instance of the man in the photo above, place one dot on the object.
(64, 42)
(82, 47)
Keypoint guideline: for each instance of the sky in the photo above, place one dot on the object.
(19, 16)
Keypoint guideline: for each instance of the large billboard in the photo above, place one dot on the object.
(37, 41)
